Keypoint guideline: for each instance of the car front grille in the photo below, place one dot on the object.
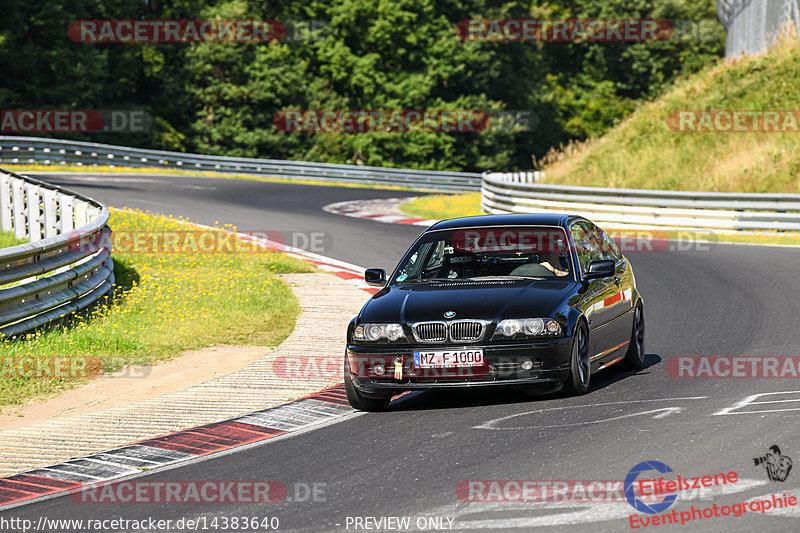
(430, 331)
(466, 331)
(458, 331)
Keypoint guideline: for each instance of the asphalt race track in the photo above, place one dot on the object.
(714, 299)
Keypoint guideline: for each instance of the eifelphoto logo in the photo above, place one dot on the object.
(775, 463)
(74, 121)
(656, 495)
(195, 31)
(630, 486)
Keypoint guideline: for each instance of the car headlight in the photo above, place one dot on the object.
(530, 327)
(377, 332)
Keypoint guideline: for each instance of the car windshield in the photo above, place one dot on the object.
(487, 253)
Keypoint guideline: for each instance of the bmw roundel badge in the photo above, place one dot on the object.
(449, 314)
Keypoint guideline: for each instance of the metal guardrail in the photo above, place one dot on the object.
(17, 150)
(54, 274)
(517, 192)
(645, 208)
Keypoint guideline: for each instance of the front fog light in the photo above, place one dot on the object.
(527, 364)
(378, 369)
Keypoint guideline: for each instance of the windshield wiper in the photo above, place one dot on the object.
(506, 277)
(425, 280)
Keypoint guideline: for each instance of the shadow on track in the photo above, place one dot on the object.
(469, 398)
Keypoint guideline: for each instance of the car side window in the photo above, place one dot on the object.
(610, 249)
(588, 244)
(412, 267)
(437, 257)
(582, 245)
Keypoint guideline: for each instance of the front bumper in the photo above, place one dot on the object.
(502, 368)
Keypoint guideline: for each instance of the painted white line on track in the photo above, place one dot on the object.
(749, 400)
(492, 424)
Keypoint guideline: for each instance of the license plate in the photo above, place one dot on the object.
(454, 358)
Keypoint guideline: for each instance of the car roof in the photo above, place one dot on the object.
(534, 219)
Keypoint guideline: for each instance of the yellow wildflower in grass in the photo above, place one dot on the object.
(163, 304)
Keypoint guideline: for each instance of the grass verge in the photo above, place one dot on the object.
(164, 303)
(7, 239)
(443, 206)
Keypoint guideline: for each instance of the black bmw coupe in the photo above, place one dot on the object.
(532, 301)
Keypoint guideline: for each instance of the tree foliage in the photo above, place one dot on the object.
(220, 98)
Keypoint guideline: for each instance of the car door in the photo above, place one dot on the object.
(620, 304)
(588, 248)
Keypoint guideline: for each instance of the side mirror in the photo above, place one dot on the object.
(600, 269)
(375, 277)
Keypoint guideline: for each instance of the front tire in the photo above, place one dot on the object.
(634, 357)
(580, 363)
(359, 401)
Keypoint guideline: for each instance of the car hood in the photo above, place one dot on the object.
(488, 300)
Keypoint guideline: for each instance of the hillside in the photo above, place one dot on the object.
(644, 151)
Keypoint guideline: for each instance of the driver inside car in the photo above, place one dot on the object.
(552, 262)
(545, 264)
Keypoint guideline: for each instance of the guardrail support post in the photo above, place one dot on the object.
(81, 215)
(67, 214)
(34, 213)
(5, 203)
(18, 194)
(50, 213)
